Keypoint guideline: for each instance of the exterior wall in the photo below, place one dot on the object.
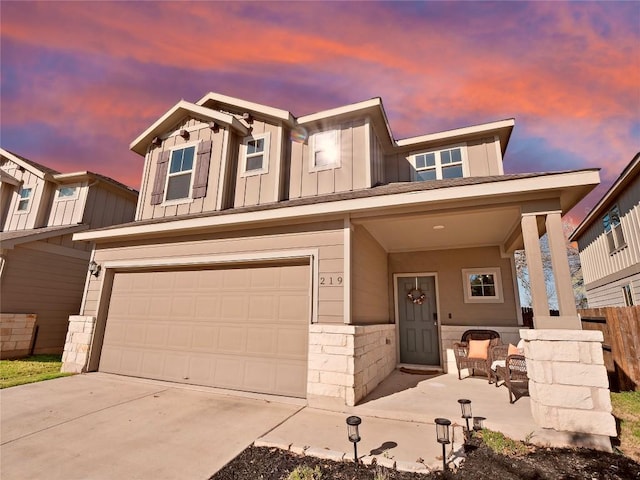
(16, 334)
(77, 344)
(208, 203)
(370, 278)
(483, 158)
(347, 362)
(611, 294)
(106, 207)
(47, 280)
(568, 384)
(448, 264)
(25, 220)
(377, 160)
(350, 175)
(264, 187)
(327, 237)
(68, 211)
(598, 265)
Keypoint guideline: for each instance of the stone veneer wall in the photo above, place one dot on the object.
(16, 334)
(76, 347)
(568, 384)
(346, 362)
(453, 333)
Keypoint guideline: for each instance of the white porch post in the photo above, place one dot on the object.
(539, 300)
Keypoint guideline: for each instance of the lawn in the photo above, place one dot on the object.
(626, 408)
(31, 369)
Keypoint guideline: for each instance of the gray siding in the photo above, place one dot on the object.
(611, 294)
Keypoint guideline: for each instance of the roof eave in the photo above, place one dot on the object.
(26, 165)
(10, 243)
(276, 113)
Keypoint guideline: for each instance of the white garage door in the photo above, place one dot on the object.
(237, 328)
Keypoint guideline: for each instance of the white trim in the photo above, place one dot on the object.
(85, 292)
(189, 198)
(496, 143)
(223, 170)
(438, 166)
(356, 205)
(466, 284)
(396, 319)
(336, 140)
(145, 182)
(458, 132)
(516, 289)
(346, 277)
(266, 136)
(278, 165)
(367, 149)
(334, 112)
(244, 104)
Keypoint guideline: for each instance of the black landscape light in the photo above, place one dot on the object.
(442, 432)
(354, 434)
(478, 423)
(465, 406)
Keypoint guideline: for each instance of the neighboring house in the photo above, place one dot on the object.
(42, 270)
(609, 243)
(311, 256)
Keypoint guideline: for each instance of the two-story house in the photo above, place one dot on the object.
(609, 243)
(42, 270)
(311, 256)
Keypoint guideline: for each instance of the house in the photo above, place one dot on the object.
(310, 256)
(42, 270)
(609, 243)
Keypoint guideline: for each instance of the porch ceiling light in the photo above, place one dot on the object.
(442, 433)
(438, 227)
(354, 434)
(465, 406)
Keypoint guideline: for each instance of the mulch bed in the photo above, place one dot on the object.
(261, 463)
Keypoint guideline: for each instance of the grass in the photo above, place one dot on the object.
(29, 370)
(502, 445)
(626, 408)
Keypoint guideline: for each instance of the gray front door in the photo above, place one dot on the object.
(418, 321)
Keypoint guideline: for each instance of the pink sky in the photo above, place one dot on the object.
(81, 80)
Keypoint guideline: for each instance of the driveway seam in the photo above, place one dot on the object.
(85, 415)
(285, 420)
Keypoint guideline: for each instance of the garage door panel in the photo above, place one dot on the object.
(241, 328)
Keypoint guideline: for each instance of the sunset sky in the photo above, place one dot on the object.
(81, 80)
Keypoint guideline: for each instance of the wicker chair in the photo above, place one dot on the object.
(461, 351)
(514, 374)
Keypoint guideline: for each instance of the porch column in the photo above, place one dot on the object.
(561, 274)
(539, 300)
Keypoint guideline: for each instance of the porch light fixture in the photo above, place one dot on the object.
(184, 134)
(214, 126)
(94, 268)
(478, 423)
(157, 141)
(465, 406)
(354, 434)
(247, 117)
(442, 433)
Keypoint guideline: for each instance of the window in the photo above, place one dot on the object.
(482, 285)
(25, 198)
(180, 173)
(628, 295)
(439, 165)
(255, 154)
(67, 192)
(325, 151)
(613, 229)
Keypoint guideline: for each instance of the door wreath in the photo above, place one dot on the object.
(416, 296)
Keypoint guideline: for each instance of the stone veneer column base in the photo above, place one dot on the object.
(569, 386)
(76, 348)
(346, 362)
(16, 334)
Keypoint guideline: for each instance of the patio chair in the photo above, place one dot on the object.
(514, 375)
(472, 352)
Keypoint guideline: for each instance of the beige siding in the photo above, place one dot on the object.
(377, 160)
(26, 220)
(350, 175)
(326, 237)
(597, 262)
(370, 303)
(448, 264)
(483, 158)
(45, 283)
(105, 207)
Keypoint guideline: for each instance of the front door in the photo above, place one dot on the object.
(418, 320)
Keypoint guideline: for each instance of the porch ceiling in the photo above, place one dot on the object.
(462, 229)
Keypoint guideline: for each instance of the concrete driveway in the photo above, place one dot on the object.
(101, 426)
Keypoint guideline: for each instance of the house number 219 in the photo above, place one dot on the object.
(331, 280)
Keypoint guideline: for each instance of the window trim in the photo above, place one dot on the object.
(466, 281)
(335, 132)
(189, 198)
(265, 154)
(75, 195)
(613, 246)
(32, 189)
(438, 164)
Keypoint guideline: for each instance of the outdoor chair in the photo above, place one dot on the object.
(514, 375)
(472, 352)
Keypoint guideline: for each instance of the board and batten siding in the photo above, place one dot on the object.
(198, 131)
(327, 237)
(369, 270)
(350, 175)
(32, 218)
(377, 159)
(48, 280)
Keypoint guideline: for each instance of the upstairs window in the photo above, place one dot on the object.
(255, 155)
(180, 173)
(25, 199)
(67, 192)
(325, 150)
(439, 165)
(613, 229)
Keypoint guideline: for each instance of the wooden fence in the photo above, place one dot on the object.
(621, 329)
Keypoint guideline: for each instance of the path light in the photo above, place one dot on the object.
(354, 434)
(465, 406)
(478, 423)
(442, 432)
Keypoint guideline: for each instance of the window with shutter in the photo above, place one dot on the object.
(613, 229)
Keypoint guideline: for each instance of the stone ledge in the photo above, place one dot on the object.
(562, 335)
(260, 442)
(412, 467)
(325, 454)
